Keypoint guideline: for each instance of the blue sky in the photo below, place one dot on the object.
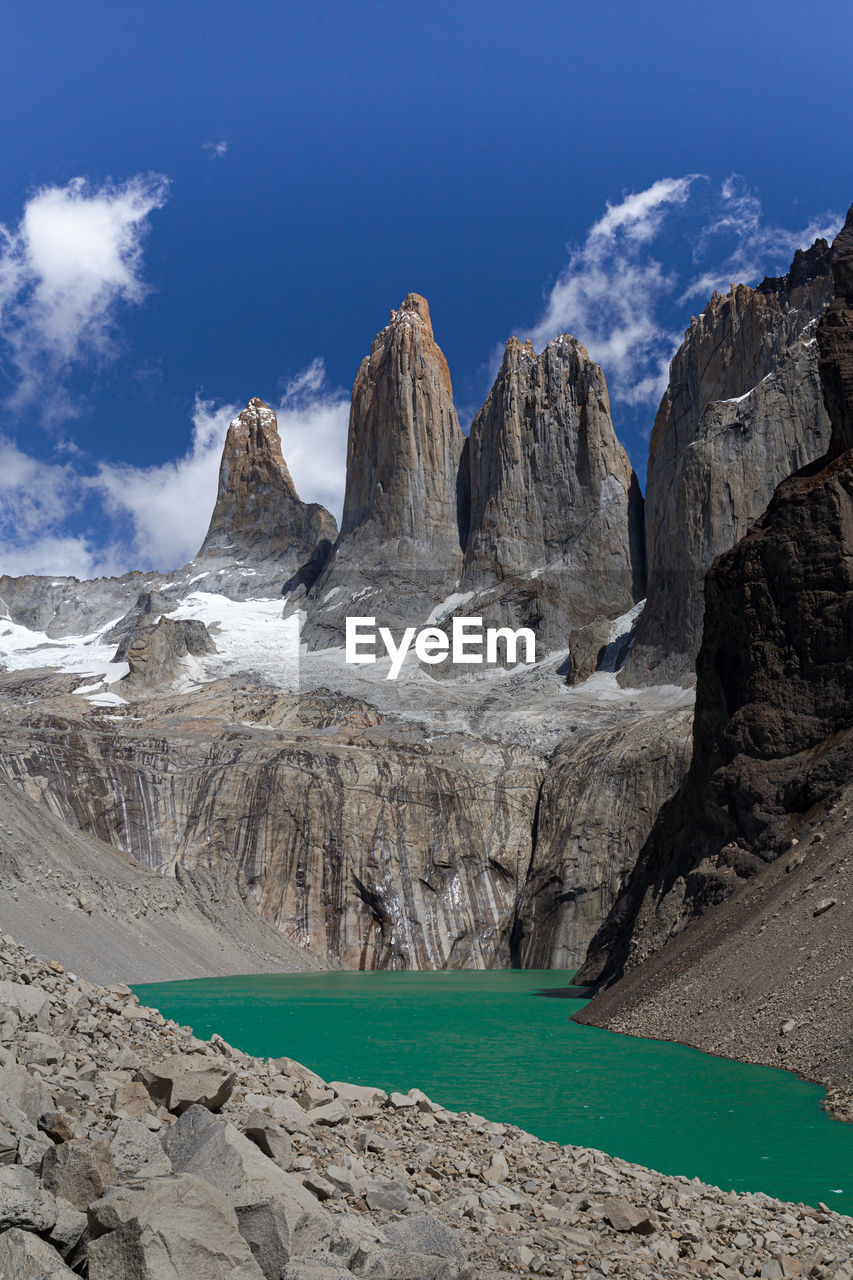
(205, 202)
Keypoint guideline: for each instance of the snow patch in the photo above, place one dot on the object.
(448, 606)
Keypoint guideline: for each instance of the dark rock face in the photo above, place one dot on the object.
(597, 804)
(773, 731)
(399, 545)
(556, 513)
(550, 509)
(743, 410)
(259, 516)
(835, 344)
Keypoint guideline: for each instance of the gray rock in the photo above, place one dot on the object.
(26, 1257)
(425, 1233)
(165, 1228)
(597, 805)
(78, 1171)
(132, 1099)
(271, 1140)
(328, 1268)
(743, 410)
(386, 1194)
(556, 514)
(399, 545)
(154, 653)
(67, 1232)
(359, 1094)
(624, 1216)
(28, 1000)
(8, 1145)
(26, 1091)
(278, 1216)
(137, 1153)
(586, 646)
(23, 1203)
(330, 1113)
(189, 1079)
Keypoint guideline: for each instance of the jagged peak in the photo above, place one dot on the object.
(255, 432)
(518, 348)
(413, 304)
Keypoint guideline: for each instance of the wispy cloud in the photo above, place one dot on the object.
(37, 499)
(623, 290)
(216, 150)
(73, 260)
(162, 512)
(313, 420)
(741, 246)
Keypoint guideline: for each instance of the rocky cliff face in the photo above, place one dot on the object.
(400, 544)
(358, 840)
(597, 805)
(743, 410)
(259, 518)
(773, 737)
(366, 841)
(555, 532)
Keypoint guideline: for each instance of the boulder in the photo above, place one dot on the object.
(137, 1153)
(624, 1216)
(28, 1000)
(163, 1228)
(277, 1215)
(26, 1091)
(330, 1113)
(24, 1256)
(360, 1094)
(78, 1170)
(189, 1079)
(23, 1203)
(272, 1140)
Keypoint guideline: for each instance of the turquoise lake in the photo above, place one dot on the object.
(487, 1042)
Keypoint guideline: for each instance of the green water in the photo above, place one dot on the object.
(486, 1042)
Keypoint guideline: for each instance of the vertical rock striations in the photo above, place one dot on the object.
(399, 546)
(259, 519)
(555, 532)
(773, 732)
(597, 805)
(742, 411)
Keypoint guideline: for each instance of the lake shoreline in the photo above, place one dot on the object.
(367, 1170)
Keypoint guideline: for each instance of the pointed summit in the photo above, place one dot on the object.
(259, 517)
(399, 545)
(404, 442)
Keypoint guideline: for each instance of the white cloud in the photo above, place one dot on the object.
(313, 420)
(757, 248)
(36, 500)
(215, 149)
(73, 259)
(166, 509)
(625, 303)
(607, 294)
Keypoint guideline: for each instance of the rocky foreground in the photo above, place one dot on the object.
(130, 1150)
